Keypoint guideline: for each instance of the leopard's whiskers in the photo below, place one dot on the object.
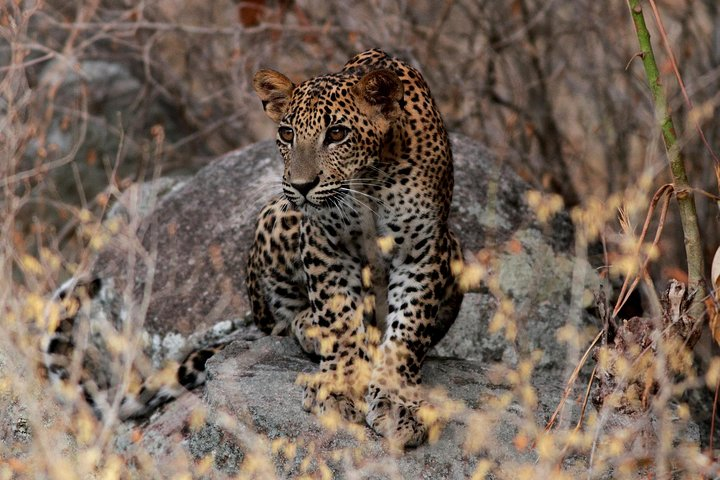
(332, 201)
(342, 200)
(360, 202)
(370, 197)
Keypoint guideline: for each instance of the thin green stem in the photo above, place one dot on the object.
(683, 191)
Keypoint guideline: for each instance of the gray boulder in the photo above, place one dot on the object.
(199, 231)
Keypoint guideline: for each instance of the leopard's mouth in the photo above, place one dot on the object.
(308, 205)
(335, 196)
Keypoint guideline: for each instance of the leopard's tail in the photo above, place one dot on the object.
(70, 349)
(168, 384)
(74, 298)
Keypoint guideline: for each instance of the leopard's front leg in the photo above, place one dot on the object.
(423, 301)
(335, 294)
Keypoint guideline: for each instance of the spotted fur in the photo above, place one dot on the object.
(87, 350)
(360, 238)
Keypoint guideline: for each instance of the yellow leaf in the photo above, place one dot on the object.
(456, 267)
(325, 472)
(471, 276)
(545, 447)
(566, 334)
(86, 425)
(525, 472)
(481, 470)
(428, 414)
(50, 258)
(277, 444)
(529, 397)
(31, 265)
(99, 240)
(116, 343)
(290, 451)
(386, 243)
(434, 433)
(84, 215)
(366, 277)
(533, 198)
(204, 465)
(35, 307)
(197, 418)
(511, 331)
(525, 369)
(62, 469)
(305, 464)
(89, 458)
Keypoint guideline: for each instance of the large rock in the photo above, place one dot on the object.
(201, 230)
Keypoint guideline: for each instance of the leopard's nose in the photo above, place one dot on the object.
(304, 188)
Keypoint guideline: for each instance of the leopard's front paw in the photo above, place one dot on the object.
(396, 416)
(321, 396)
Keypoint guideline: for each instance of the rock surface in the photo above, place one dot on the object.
(255, 404)
(247, 422)
(251, 424)
(531, 261)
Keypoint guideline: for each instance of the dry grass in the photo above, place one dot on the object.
(97, 95)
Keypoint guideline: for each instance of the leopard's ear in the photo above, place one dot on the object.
(274, 89)
(380, 93)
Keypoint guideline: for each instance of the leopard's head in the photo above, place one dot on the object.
(330, 129)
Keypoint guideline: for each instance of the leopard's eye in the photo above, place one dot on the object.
(336, 134)
(286, 134)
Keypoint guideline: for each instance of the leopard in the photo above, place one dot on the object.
(355, 258)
